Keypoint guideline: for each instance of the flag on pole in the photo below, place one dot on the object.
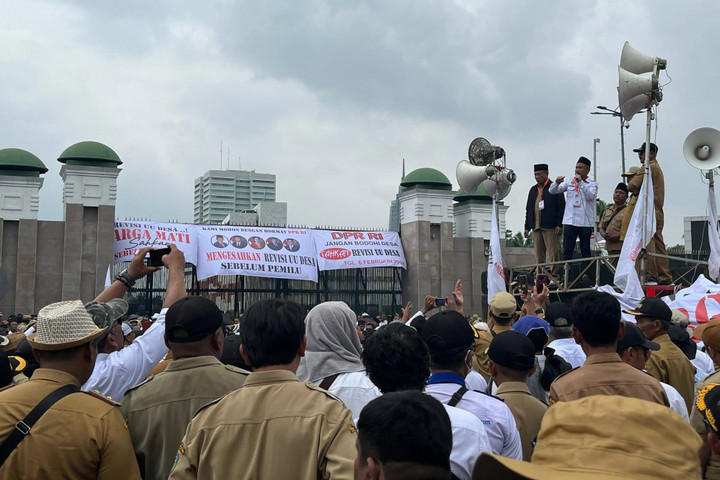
(496, 273)
(626, 277)
(713, 235)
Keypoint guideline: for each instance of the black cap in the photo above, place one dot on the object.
(558, 314)
(448, 334)
(634, 337)
(513, 350)
(191, 319)
(641, 148)
(584, 161)
(652, 307)
(622, 186)
(541, 167)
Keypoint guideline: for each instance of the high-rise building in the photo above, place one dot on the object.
(219, 193)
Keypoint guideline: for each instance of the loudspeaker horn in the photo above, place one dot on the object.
(702, 148)
(633, 84)
(469, 176)
(634, 61)
(634, 105)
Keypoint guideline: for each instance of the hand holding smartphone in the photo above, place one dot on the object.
(154, 258)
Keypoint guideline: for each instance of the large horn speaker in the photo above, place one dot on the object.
(469, 176)
(702, 148)
(634, 61)
(634, 84)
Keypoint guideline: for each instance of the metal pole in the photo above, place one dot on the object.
(645, 199)
(622, 144)
(595, 142)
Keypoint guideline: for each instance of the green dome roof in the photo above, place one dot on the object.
(428, 178)
(16, 161)
(480, 194)
(90, 153)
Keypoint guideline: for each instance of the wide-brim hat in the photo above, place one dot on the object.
(64, 325)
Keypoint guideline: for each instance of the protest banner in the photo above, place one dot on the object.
(351, 249)
(130, 236)
(256, 251)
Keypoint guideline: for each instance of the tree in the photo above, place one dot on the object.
(517, 240)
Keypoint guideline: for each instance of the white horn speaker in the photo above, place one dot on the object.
(702, 148)
(634, 105)
(633, 84)
(635, 61)
(490, 187)
(469, 176)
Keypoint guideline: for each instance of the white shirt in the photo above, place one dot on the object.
(475, 381)
(469, 441)
(499, 422)
(570, 351)
(355, 390)
(117, 372)
(677, 402)
(704, 365)
(580, 203)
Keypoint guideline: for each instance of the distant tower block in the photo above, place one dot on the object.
(20, 184)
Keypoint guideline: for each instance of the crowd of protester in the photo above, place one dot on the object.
(538, 390)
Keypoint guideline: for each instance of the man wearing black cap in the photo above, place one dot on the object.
(158, 410)
(559, 316)
(635, 349)
(512, 361)
(658, 268)
(579, 216)
(611, 221)
(543, 216)
(669, 364)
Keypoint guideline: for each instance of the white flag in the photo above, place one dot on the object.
(713, 236)
(626, 277)
(496, 273)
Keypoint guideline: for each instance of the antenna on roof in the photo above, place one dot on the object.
(403, 175)
(221, 152)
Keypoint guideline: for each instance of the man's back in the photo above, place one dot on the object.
(80, 436)
(158, 410)
(606, 374)
(527, 410)
(670, 365)
(274, 426)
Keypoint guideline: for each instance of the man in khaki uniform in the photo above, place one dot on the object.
(159, 409)
(274, 426)
(669, 364)
(597, 327)
(500, 318)
(82, 435)
(710, 335)
(658, 268)
(512, 361)
(611, 220)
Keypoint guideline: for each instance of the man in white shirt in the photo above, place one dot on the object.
(634, 349)
(579, 216)
(396, 359)
(118, 369)
(559, 316)
(449, 338)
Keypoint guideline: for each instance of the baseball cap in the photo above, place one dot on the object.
(641, 148)
(652, 307)
(707, 403)
(709, 333)
(192, 318)
(104, 314)
(558, 314)
(448, 334)
(503, 305)
(610, 436)
(513, 350)
(528, 323)
(634, 337)
(632, 171)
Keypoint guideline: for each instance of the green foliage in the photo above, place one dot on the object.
(517, 240)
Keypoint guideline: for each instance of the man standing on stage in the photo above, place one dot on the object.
(611, 221)
(543, 216)
(658, 268)
(579, 214)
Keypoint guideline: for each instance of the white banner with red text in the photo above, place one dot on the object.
(354, 249)
(256, 251)
(131, 236)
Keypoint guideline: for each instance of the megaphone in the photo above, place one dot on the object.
(469, 176)
(635, 61)
(634, 84)
(702, 148)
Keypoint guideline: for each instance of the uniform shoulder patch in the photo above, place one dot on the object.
(235, 369)
(312, 386)
(99, 395)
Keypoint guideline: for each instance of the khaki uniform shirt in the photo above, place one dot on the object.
(273, 427)
(527, 410)
(611, 223)
(82, 436)
(607, 374)
(159, 409)
(712, 471)
(480, 358)
(658, 181)
(670, 365)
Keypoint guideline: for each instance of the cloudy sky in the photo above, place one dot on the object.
(331, 96)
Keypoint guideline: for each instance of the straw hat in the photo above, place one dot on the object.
(603, 437)
(63, 325)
